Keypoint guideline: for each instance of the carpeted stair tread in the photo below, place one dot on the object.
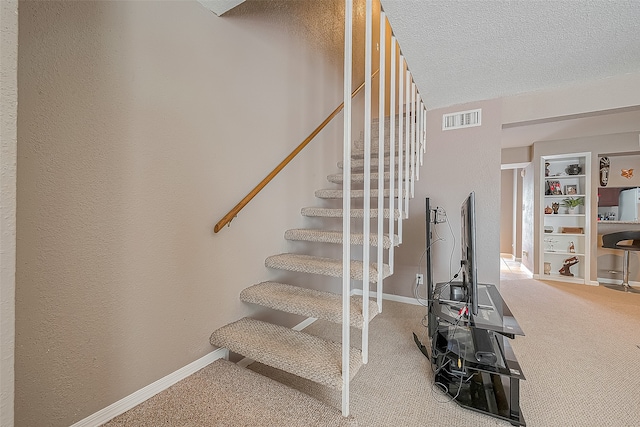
(337, 178)
(358, 164)
(306, 302)
(358, 152)
(335, 236)
(334, 193)
(338, 212)
(321, 265)
(292, 351)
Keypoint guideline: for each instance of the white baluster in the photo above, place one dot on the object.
(346, 206)
(392, 150)
(414, 120)
(381, 139)
(366, 223)
(407, 166)
(400, 142)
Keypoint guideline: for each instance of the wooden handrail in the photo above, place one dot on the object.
(234, 212)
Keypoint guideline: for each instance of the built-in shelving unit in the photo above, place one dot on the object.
(564, 233)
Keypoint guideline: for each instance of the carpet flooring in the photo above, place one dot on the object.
(580, 357)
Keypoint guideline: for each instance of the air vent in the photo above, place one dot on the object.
(462, 119)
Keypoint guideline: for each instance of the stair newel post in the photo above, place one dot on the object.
(366, 221)
(346, 206)
(392, 149)
(401, 111)
(407, 139)
(381, 139)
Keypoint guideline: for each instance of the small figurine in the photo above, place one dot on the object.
(572, 248)
(627, 173)
(566, 265)
(547, 268)
(548, 210)
(555, 207)
(546, 168)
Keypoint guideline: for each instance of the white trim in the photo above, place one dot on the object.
(138, 397)
(391, 297)
(604, 281)
(300, 326)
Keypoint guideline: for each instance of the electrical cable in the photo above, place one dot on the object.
(439, 238)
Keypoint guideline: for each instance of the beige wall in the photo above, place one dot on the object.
(8, 150)
(605, 94)
(140, 125)
(515, 155)
(617, 164)
(456, 163)
(506, 211)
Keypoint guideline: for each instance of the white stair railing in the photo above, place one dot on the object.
(381, 143)
(407, 138)
(401, 130)
(346, 206)
(392, 149)
(366, 222)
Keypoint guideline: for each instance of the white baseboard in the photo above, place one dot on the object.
(615, 282)
(391, 297)
(136, 398)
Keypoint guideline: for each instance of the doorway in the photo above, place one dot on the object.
(511, 224)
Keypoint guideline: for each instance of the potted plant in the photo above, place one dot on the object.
(572, 203)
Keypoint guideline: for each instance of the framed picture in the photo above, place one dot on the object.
(554, 188)
(570, 189)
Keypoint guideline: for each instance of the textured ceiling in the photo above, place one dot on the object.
(462, 51)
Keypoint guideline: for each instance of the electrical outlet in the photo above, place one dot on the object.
(419, 279)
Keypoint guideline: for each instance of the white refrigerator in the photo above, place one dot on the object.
(628, 204)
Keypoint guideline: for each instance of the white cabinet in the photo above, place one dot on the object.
(565, 232)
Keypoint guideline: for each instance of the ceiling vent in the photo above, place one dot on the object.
(462, 119)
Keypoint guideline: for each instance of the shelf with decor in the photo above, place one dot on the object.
(565, 188)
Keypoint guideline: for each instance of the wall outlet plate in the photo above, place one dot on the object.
(419, 279)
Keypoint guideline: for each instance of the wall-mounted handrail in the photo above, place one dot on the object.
(234, 212)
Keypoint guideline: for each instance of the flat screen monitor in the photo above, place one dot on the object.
(468, 244)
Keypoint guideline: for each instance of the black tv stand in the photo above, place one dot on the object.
(472, 358)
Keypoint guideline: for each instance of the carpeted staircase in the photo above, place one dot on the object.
(293, 351)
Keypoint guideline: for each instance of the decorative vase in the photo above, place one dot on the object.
(573, 169)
